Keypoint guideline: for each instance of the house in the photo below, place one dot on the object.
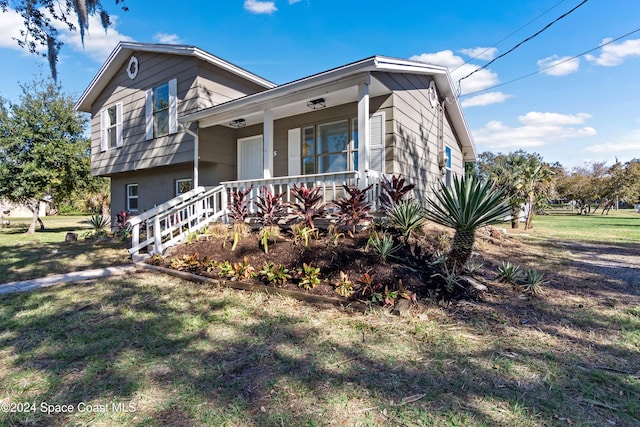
(167, 120)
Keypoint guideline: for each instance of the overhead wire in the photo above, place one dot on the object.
(510, 34)
(521, 43)
(556, 64)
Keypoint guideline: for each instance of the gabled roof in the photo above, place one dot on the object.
(123, 51)
(341, 77)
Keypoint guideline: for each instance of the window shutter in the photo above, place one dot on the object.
(173, 106)
(149, 114)
(103, 130)
(294, 151)
(119, 139)
(376, 161)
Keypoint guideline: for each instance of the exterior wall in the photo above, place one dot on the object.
(154, 187)
(414, 153)
(200, 84)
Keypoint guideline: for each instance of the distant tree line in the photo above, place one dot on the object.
(529, 181)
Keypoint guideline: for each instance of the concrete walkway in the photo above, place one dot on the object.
(77, 276)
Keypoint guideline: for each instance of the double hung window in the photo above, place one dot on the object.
(161, 110)
(132, 197)
(111, 127)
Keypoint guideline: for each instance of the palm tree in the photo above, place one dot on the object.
(470, 204)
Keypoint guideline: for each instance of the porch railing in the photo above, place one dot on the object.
(170, 222)
(163, 226)
(330, 184)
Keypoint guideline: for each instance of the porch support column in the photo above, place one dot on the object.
(268, 144)
(364, 129)
(196, 155)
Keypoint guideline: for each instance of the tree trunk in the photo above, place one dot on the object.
(527, 222)
(515, 216)
(36, 211)
(461, 249)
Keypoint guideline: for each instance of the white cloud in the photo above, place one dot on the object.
(615, 53)
(481, 80)
(10, 25)
(260, 7)
(483, 53)
(98, 43)
(629, 142)
(538, 129)
(535, 118)
(166, 38)
(558, 66)
(486, 99)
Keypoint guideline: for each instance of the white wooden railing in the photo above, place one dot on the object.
(330, 184)
(163, 226)
(170, 222)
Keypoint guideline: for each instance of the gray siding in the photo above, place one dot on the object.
(198, 83)
(414, 152)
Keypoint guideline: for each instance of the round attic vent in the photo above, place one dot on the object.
(433, 94)
(132, 68)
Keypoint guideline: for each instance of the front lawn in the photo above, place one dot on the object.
(27, 256)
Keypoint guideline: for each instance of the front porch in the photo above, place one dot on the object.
(154, 231)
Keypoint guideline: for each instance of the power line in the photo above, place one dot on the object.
(512, 33)
(521, 43)
(554, 65)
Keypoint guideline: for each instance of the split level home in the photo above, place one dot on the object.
(172, 125)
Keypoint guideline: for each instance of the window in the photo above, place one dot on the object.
(329, 148)
(111, 127)
(183, 185)
(161, 110)
(132, 197)
(447, 167)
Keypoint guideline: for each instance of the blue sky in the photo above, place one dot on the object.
(585, 109)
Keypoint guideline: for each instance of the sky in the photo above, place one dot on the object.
(566, 88)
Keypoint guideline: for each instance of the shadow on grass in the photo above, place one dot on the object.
(32, 260)
(188, 354)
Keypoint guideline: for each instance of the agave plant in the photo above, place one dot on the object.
(468, 205)
(408, 216)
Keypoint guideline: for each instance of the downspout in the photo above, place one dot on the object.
(196, 155)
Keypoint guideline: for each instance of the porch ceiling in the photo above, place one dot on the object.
(337, 93)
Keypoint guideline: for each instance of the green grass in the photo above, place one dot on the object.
(183, 353)
(28, 256)
(621, 226)
(179, 353)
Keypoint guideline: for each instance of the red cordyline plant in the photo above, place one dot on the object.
(270, 206)
(309, 205)
(394, 191)
(238, 203)
(355, 208)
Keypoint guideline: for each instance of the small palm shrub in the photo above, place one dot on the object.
(394, 191)
(508, 273)
(470, 204)
(354, 209)
(532, 282)
(309, 203)
(408, 216)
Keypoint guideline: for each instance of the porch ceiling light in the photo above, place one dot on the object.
(316, 104)
(238, 123)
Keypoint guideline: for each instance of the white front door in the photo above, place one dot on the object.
(250, 158)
